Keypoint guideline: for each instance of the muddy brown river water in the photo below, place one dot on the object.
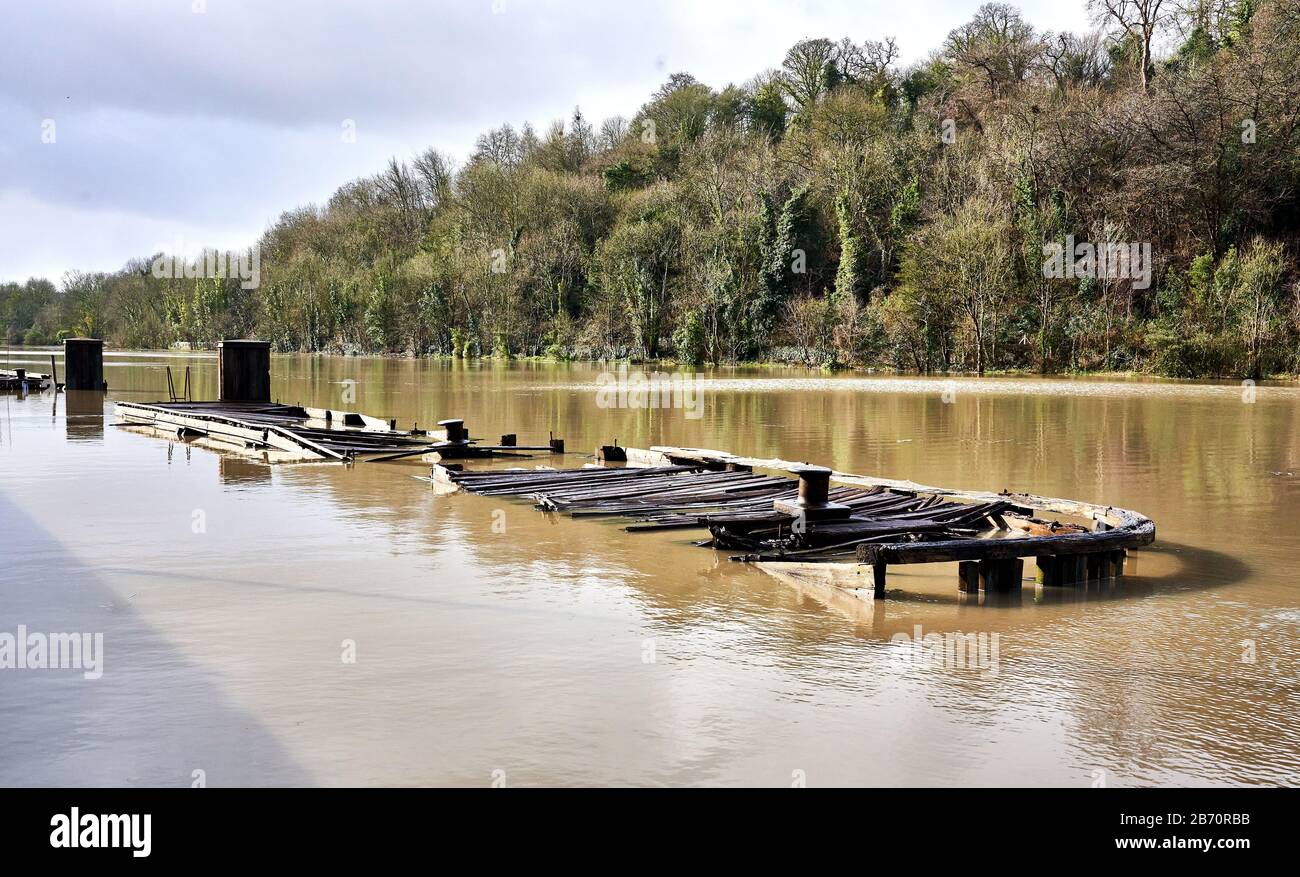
(328, 625)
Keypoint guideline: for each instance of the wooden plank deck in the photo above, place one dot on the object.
(309, 434)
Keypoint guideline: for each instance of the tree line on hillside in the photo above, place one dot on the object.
(837, 210)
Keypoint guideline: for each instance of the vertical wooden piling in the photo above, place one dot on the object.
(878, 578)
(1065, 570)
(83, 364)
(968, 576)
(990, 575)
(1049, 570)
(244, 370)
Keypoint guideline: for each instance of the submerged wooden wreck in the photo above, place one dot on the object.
(295, 433)
(22, 381)
(862, 521)
(245, 419)
(772, 512)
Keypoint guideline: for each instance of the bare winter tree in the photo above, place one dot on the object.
(1140, 18)
(1078, 60)
(997, 45)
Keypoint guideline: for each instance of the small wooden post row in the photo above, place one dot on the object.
(990, 575)
(1074, 569)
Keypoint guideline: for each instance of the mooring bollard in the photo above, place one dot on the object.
(814, 485)
(455, 430)
(813, 500)
(83, 364)
(243, 370)
(611, 454)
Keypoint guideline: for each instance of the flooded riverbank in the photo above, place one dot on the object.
(322, 624)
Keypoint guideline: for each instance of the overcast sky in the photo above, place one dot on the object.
(178, 124)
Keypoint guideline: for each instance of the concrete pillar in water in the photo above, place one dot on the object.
(83, 364)
(244, 371)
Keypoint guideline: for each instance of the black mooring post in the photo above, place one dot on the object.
(243, 370)
(83, 364)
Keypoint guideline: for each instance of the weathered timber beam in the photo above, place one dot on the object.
(1005, 549)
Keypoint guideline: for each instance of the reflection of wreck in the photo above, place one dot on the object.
(861, 521)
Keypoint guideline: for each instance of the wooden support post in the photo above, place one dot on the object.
(1064, 570)
(243, 370)
(878, 578)
(1050, 570)
(1097, 566)
(1001, 575)
(968, 576)
(1073, 569)
(83, 364)
(509, 440)
(1117, 562)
